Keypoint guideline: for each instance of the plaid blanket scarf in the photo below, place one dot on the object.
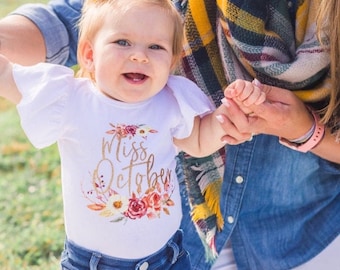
(273, 41)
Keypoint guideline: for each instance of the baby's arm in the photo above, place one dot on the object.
(245, 93)
(206, 135)
(8, 88)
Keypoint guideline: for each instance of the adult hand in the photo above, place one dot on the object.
(283, 114)
(234, 122)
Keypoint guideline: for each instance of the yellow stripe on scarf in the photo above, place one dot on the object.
(305, 21)
(200, 17)
(315, 95)
(211, 205)
(240, 17)
(212, 198)
(197, 21)
(305, 18)
(243, 18)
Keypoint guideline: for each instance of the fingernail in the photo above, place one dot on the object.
(225, 102)
(257, 83)
(220, 118)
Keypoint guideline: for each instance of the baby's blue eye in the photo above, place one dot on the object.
(156, 47)
(122, 42)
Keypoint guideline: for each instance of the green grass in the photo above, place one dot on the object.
(7, 6)
(31, 221)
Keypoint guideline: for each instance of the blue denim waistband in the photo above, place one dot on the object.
(87, 259)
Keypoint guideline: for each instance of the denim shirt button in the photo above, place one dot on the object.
(230, 219)
(144, 266)
(239, 179)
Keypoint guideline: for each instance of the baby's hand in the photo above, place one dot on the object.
(245, 93)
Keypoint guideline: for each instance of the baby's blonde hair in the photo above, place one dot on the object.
(94, 12)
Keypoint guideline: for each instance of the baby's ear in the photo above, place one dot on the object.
(85, 56)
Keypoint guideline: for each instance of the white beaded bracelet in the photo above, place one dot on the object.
(305, 137)
(318, 131)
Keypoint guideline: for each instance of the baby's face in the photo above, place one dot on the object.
(133, 54)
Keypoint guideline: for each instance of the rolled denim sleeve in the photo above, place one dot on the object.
(57, 22)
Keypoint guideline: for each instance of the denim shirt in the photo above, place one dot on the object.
(275, 218)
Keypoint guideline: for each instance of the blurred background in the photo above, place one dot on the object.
(31, 221)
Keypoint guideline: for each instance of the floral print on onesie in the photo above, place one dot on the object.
(149, 202)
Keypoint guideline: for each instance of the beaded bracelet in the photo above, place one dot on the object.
(307, 141)
(305, 137)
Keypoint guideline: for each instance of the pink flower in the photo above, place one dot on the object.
(137, 208)
(131, 129)
(154, 204)
(121, 131)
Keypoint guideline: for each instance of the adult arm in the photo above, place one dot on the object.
(21, 41)
(36, 32)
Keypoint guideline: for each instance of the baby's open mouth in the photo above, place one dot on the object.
(136, 77)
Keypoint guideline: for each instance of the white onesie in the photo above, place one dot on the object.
(120, 191)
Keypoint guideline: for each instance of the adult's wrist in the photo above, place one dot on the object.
(309, 140)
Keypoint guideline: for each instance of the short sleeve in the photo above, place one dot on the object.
(192, 102)
(45, 90)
